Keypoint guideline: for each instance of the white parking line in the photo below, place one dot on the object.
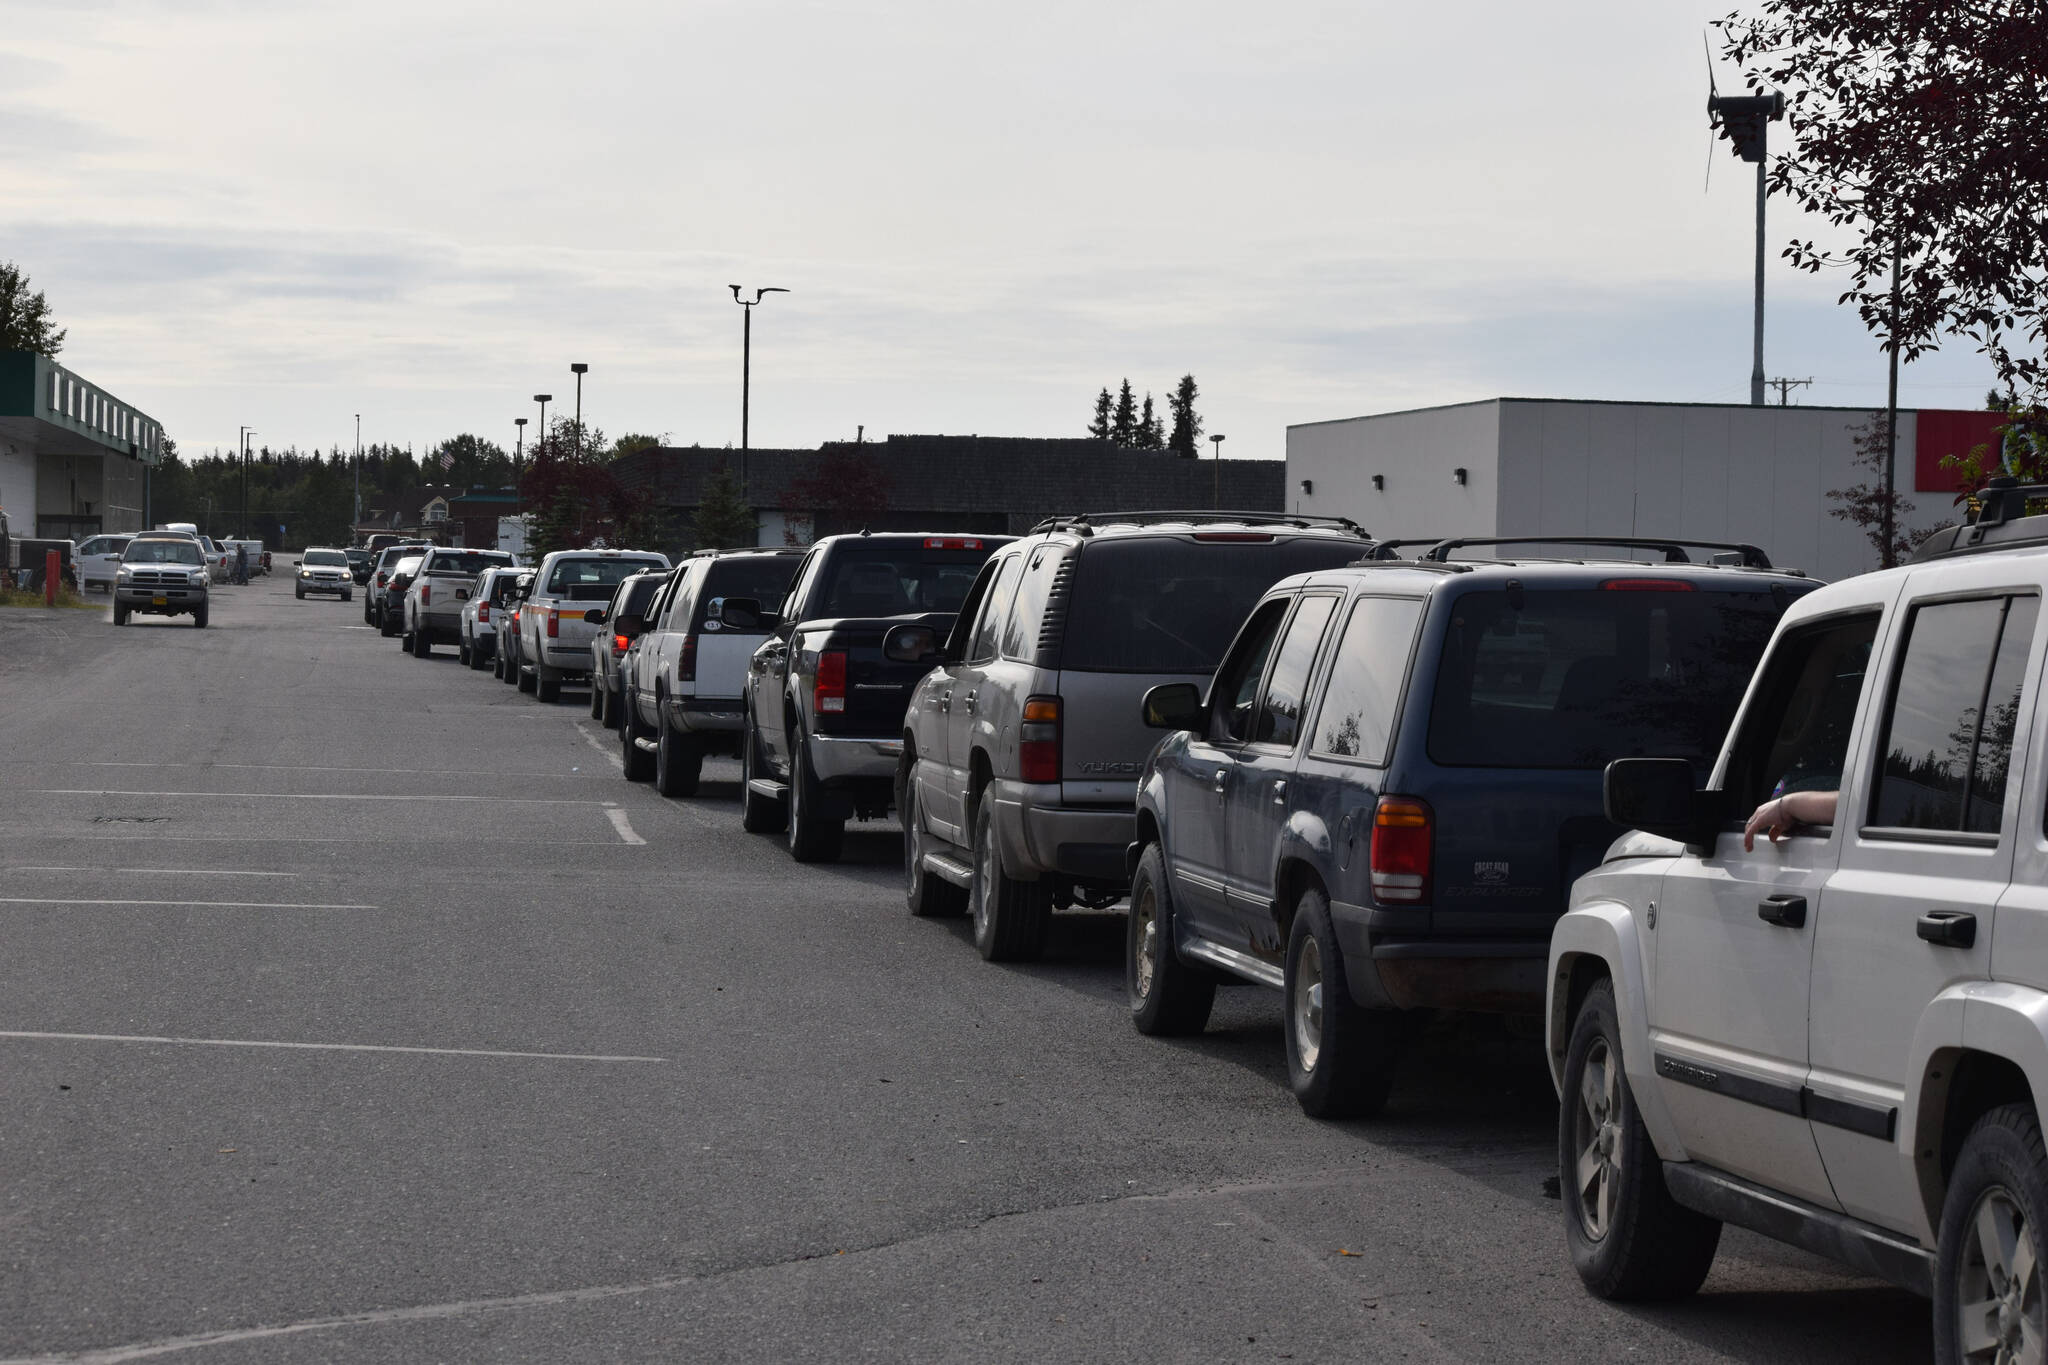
(623, 826)
(159, 871)
(610, 751)
(37, 1036)
(201, 905)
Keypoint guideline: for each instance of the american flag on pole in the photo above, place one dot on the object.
(447, 458)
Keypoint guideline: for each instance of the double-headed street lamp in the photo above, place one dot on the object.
(579, 369)
(747, 368)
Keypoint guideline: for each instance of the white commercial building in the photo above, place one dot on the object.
(1559, 467)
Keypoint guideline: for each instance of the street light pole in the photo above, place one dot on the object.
(543, 399)
(747, 369)
(359, 478)
(579, 370)
(519, 450)
(1216, 496)
(247, 432)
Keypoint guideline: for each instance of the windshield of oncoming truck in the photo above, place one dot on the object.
(179, 551)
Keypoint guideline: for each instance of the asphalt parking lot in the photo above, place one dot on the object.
(353, 1007)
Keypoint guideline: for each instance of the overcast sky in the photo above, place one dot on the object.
(281, 214)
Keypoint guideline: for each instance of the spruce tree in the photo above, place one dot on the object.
(1187, 426)
(723, 520)
(1099, 428)
(1150, 435)
(1123, 426)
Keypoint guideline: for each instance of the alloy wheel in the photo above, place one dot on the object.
(1145, 910)
(1998, 1300)
(1307, 1014)
(1597, 1177)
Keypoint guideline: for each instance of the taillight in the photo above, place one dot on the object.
(951, 543)
(1038, 740)
(686, 666)
(483, 612)
(1402, 844)
(426, 594)
(619, 643)
(828, 693)
(554, 623)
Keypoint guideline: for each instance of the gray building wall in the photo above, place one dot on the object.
(1546, 467)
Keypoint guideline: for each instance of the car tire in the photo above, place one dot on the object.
(1629, 1239)
(478, 660)
(120, 614)
(929, 897)
(462, 653)
(548, 690)
(638, 763)
(1998, 1191)
(678, 758)
(1341, 1056)
(527, 681)
(347, 596)
(199, 618)
(597, 696)
(299, 593)
(814, 837)
(368, 618)
(386, 627)
(1167, 996)
(758, 814)
(422, 647)
(1011, 918)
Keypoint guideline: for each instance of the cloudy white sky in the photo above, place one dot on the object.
(281, 213)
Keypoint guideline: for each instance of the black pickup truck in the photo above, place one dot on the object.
(823, 729)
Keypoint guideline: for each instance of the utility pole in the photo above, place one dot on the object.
(747, 369)
(1784, 386)
(1216, 494)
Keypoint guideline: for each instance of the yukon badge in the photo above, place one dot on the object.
(1489, 873)
(1119, 769)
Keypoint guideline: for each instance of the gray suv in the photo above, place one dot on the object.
(1022, 748)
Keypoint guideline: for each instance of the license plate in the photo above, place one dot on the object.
(159, 601)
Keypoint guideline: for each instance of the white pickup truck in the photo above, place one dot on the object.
(554, 639)
(434, 601)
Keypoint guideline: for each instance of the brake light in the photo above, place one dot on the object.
(1233, 536)
(1038, 740)
(950, 543)
(426, 594)
(483, 612)
(619, 643)
(1403, 839)
(1647, 585)
(686, 666)
(554, 623)
(828, 692)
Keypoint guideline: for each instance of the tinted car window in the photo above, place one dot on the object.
(1796, 737)
(1027, 612)
(1169, 604)
(472, 563)
(1364, 691)
(1234, 695)
(593, 579)
(885, 580)
(635, 593)
(179, 551)
(1574, 678)
(995, 610)
(329, 557)
(765, 578)
(1948, 730)
(1279, 719)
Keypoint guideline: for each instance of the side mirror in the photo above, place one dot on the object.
(740, 613)
(1175, 706)
(295, 563)
(595, 616)
(1657, 796)
(910, 644)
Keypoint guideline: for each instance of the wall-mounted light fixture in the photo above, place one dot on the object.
(1458, 476)
(1379, 483)
(1308, 487)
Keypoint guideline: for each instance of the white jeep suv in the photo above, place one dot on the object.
(1838, 1037)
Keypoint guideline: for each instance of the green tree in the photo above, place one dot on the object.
(1187, 425)
(1123, 424)
(635, 440)
(723, 520)
(1099, 427)
(1150, 435)
(25, 316)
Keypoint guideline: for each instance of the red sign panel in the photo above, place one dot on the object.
(1942, 432)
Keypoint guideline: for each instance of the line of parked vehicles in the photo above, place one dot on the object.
(1393, 778)
(96, 560)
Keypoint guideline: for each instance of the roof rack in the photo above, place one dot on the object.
(2001, 523)
(1725, 552)
(1094, 519)
(1386, 548)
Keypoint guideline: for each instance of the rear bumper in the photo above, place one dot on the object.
(724, 714)
(1497, 976)
(1042, 837)
(843, 759)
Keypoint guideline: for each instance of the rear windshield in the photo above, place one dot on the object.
(178, 551)
(410, 564)
(475, 562)
(324, 557)
(760, 577)
(592, 580)
(636, 592)
(357, 556)
(1575, 678)
(1167, 604)
(883, 580)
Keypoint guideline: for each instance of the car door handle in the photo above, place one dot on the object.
(946, 700)
(1948, 928)
(1787, 911)
(1279, 793)
(1221, 781)
(967, 703)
